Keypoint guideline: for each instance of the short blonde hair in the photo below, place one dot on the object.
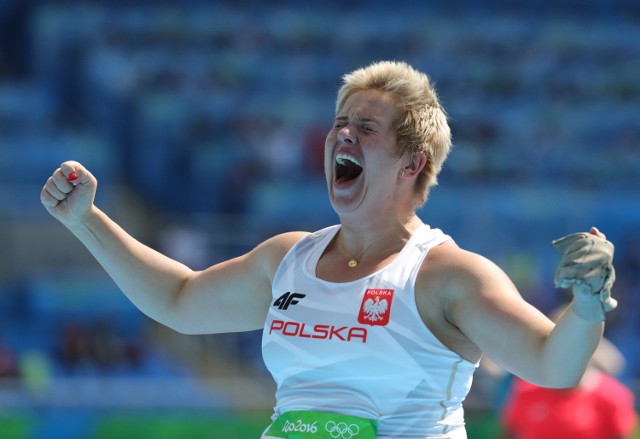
(423, 125)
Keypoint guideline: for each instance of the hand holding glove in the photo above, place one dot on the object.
(587, 266)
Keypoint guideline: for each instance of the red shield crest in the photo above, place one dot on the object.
(376, 307)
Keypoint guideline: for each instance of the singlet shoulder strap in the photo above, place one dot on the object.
(422, 241)
(312, 244)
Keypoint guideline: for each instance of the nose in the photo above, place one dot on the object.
(345, 135)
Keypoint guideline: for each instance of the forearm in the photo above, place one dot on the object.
(149, 279)
(586, 267)
(568, 349)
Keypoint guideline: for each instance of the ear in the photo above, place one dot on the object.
(416, 164)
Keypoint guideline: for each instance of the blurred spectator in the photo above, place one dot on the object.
(36, 371)
(599, 407)
(95, 348)
(8, 363)
(313, 149)
(73, 346)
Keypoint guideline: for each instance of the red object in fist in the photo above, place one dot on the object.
(73, 176)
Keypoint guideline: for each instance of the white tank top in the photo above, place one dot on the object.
(360, 348)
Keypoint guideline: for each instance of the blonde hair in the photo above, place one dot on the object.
(423, 125)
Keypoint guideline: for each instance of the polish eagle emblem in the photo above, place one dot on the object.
(376, 307)
(374, 310)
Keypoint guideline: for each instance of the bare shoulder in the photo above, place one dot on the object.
(451, 282)
(284, 241)
(273, 250)
(459, 271)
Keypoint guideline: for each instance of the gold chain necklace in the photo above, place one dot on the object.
(354, 261)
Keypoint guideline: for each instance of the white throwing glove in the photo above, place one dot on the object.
(587, 266)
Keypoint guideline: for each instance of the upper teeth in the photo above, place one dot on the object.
(342, 157)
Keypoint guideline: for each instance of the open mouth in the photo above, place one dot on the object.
(347, 168)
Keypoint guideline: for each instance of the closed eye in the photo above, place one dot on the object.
(364, 128)
(339, 122)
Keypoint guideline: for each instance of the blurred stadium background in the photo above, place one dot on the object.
(204, 124)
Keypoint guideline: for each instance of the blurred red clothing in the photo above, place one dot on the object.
(599, 408)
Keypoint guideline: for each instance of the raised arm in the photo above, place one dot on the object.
(486, 307)
(231, 296)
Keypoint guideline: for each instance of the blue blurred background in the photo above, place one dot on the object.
(204, 122)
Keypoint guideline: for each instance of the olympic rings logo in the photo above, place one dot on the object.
(341, 430)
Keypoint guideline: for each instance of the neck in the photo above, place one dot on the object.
(359, 240)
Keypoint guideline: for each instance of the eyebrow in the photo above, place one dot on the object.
(359, 119)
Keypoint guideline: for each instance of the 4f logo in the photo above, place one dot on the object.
(287, 299)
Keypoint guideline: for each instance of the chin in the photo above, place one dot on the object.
(344, 205)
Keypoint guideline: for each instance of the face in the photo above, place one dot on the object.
(360, 163)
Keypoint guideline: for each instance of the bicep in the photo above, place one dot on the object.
(234, 295)
(494, 316)
(227, 297)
